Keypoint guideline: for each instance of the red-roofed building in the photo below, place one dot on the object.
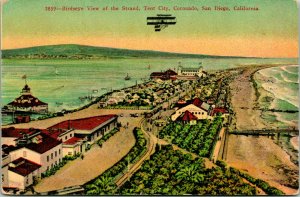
(215, 111)
(72, 146)
(89, 129)
(11, 134)
(196, 107)
(22, 172)
(163, 75)
(34, 145)
(222, 111)
(26, 102)
(187, 117)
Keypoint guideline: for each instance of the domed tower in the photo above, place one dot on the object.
(26, 90)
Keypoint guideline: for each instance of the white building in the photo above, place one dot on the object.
(190, 72)
(4, 172)
(33, 145)
(89, 129)
(22, 173)
(198, 108)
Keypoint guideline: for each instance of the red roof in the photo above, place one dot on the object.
(54, 133)
(163, 75)
(47, 143)
(187, 116)
(219, 110)
(44, 144)
(72, 140)
(170, 72)
(197, 102)
(23, 166)
(27, 101)
(15, 132)
(157, 74)
(89, 123)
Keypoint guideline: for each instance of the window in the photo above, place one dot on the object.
(55, 162)
(59, 160)
(66, 137)
(51, 155)
(47, 167)
(55, 153)
(71, 135)
(69, 153)
(47, 158)
(27, 180)
(52, 165)
(24, 154)
(59, 151)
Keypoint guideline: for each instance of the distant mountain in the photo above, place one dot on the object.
(73, 51)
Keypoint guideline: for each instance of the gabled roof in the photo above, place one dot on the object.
(23, 166)
(170, 72)
(89, 123)
(196, 101)
(187, 116)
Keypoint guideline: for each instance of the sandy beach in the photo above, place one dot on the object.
(258, 156)
(295, 142)
(244, 100)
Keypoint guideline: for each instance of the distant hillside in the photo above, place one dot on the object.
(73, 51)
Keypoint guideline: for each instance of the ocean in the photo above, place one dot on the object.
(60, 83)
(281, 84)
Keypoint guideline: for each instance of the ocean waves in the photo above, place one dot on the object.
(282, 85)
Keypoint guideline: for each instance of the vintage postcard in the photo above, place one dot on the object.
(149, 97)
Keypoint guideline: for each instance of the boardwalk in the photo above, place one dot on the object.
(265, 131)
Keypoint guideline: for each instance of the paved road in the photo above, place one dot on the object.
(137, 165)
(218, 145)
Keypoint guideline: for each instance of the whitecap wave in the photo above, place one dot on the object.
(285, 68)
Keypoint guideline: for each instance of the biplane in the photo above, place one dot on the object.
(161, 21)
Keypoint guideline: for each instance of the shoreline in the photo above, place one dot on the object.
(78, 109)
(259, 156)
(269, 100)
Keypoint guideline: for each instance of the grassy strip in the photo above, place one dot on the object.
(104, 184)
(107, 136)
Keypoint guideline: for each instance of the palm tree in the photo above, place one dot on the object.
(190, 173)
(105, 185)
